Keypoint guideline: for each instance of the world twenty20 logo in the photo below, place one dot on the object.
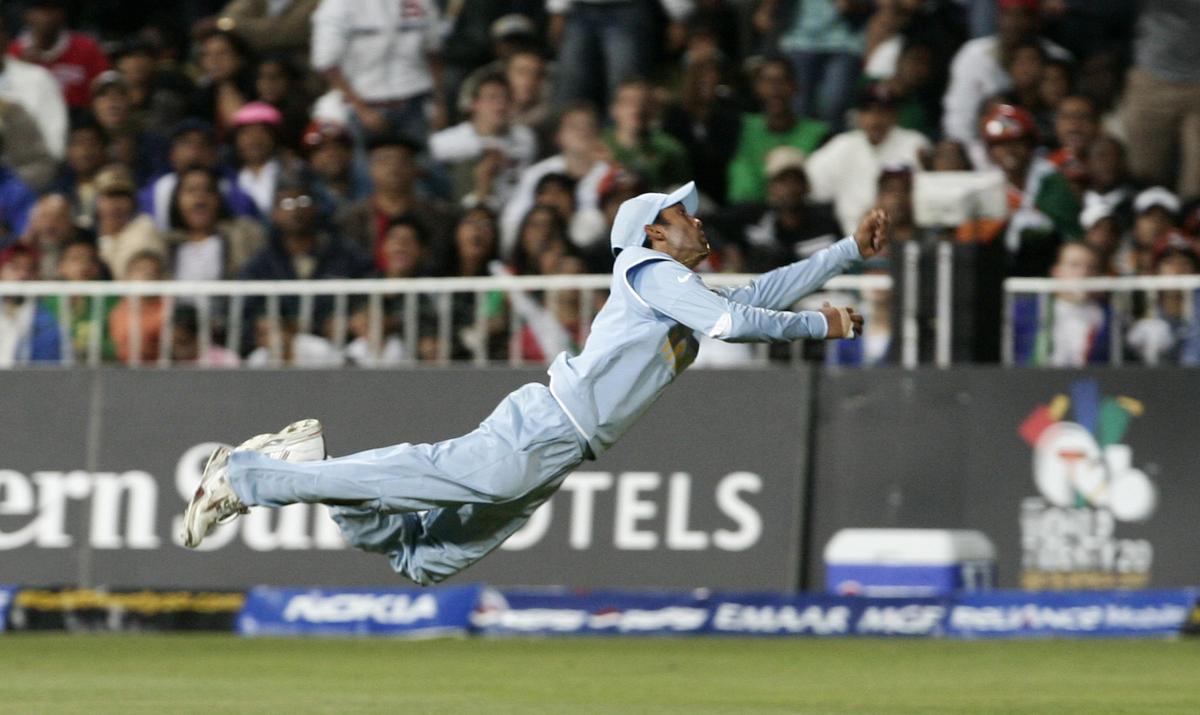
(1088, 484)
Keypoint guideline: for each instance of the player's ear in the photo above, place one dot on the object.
(654, 231)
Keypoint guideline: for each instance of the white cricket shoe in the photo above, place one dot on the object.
(216, 503)
(302, 441)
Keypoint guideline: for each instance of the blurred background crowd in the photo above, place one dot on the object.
(306, 139)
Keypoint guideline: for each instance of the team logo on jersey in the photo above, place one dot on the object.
(1088, 485)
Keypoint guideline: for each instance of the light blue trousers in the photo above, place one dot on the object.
(434, 509)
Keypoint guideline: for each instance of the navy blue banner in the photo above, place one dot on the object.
(547, 612)
(989, 615)
(555, 611)
(1006, 614)
(7, 593)
(358, 611)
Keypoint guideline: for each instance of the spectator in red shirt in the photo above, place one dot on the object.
(73, 58)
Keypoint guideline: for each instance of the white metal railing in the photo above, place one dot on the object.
(225, 303)
(1122, 290)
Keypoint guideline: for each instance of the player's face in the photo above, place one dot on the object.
(682, 237)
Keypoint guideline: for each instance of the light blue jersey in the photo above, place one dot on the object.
(435, 509)
(645, 335)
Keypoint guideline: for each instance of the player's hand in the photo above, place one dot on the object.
(843, 322)
(872, 233)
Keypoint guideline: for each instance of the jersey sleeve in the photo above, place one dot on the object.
(677, 292)
(782, 287)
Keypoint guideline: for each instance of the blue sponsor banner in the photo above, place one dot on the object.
(987, 615)
(822, 615)
(563, 612)
(358, 611)
(1007, 614)
(7, 594)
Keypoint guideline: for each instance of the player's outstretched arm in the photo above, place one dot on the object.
(780, 288)
(674, 290)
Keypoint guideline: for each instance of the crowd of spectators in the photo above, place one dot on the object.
(306, 139)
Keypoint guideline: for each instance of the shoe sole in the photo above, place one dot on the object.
(190, 527)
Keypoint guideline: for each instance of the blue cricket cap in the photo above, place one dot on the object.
(629, 228)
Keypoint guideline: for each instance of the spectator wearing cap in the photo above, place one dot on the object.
(846, 170)
(1170, 333)
(392, 163)
(481, 35)
(268, 26)
(707, 124)
(825, 43)
(1072, 328)
(581, 157)
(1042, 208)
(29, 332)
(487, 153)
(226, 81)
(330, 152)
(776, 125)
(977, 71)
(1162, 96)
(79, 261)
(1156, 212)
(784, 228)
(1101, 231)
(518, 57)
(192, 144)
(384, 59)
(22, 147)
(256, 128)
(602, 43)
(207, 242)
(87, 151)
(122, 232)
(636, 144)
(73, 58)
(38, 93)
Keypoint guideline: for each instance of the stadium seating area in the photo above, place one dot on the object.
(302, 140)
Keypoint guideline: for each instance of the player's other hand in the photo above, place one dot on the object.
(872, 233)
(843, 322)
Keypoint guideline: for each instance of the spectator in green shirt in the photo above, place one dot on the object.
(634, 144)
(778, 125)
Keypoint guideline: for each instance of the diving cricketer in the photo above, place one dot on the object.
(434, 509)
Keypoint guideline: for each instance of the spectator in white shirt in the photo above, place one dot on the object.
(581, 158)
(977, 73)
(36, 90)
(382, 55)
(846, 170)
(487, 153)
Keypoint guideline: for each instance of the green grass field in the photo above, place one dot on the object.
(43, 674)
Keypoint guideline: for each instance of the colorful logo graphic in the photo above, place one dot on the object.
(1084, 472)
(1083, 462)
